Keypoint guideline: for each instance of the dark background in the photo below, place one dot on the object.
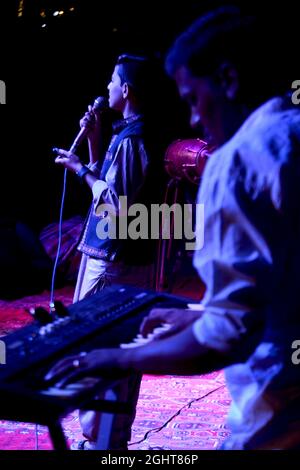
(52, 73)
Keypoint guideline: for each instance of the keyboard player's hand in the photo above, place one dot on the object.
(178, 319)
(97, 363)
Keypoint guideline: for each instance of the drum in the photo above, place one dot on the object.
(185, 159)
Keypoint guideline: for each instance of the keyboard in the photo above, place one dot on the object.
(104, 320)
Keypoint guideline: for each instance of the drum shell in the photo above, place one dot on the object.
(186, 159)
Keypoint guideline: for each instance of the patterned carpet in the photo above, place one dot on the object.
(203, 401)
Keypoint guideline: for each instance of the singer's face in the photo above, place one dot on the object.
(116, 99)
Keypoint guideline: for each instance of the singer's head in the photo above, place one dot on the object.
(131, 83)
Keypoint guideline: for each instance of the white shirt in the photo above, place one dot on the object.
(250, 264)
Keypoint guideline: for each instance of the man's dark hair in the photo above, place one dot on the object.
(225, 35)
(211, 39)
(137, 72)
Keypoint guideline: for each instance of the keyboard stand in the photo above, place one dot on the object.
(106, 423)
(25, 408)
(57, 436)
(108, 407)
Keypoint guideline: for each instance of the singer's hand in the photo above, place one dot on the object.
(88, 120)
(68, 160)
(92, 122)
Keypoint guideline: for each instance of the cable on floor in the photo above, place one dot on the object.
(187, 406)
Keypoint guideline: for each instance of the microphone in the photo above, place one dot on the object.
(100, 103)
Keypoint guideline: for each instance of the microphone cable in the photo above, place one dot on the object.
(100, 103)
(51, 304)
